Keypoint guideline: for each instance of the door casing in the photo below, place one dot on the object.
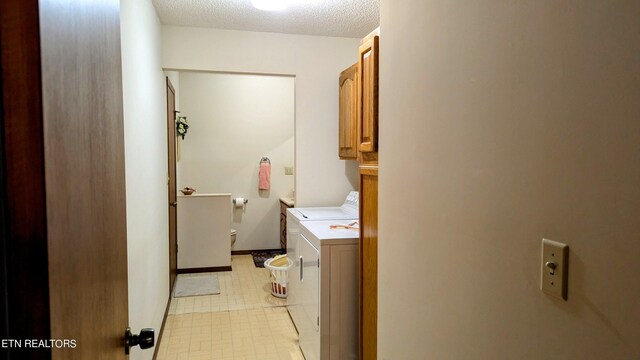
(172, 184)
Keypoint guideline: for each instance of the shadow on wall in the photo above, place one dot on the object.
(577, 276)
(352, 173)
(238, 212)
(271, 213)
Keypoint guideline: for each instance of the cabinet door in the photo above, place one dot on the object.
(368, 95)
(368, 262)
(295, 274)
(348, 117)
(283, 231)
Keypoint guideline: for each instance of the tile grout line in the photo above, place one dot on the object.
(248, 287)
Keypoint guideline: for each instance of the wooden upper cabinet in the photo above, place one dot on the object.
(348, 117)
(368, 94)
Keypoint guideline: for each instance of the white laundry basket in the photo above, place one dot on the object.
(279, 277)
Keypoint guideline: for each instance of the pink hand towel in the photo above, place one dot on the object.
(264, 176)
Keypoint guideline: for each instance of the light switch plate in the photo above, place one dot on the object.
(555, 261)
(288, 170)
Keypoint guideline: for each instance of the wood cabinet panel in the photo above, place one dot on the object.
(283, 231)
(348, 116)
(283, 225)
(368, 261)
(368, 158)
(283, 208)
(368, 95)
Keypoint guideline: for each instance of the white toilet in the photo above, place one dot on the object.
(233, 237)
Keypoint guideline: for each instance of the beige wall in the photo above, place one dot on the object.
(316, 61)
(507, 122)
(235, 120)
(145, 135)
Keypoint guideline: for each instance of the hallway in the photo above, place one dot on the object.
(243, 322)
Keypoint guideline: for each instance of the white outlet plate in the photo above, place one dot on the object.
(288, 170)
(553, 279)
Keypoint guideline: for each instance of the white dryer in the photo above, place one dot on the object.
(328, 292)
(295, 217)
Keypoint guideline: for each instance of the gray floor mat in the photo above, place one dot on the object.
(196, 284)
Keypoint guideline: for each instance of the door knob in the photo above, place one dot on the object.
(174, 204)
(146, 339)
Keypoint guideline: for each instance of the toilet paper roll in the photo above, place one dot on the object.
(239, 203)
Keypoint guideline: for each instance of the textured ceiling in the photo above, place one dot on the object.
(345, 18)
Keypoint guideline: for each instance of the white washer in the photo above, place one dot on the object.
(295, 217)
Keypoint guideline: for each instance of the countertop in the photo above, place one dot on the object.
(289, 201)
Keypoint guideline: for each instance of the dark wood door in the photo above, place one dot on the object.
(23, 240)
(173, 199)
(84, 176)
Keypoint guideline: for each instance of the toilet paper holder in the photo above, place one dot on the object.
(244, 202)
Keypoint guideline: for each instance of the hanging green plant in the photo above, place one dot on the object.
(182, 125)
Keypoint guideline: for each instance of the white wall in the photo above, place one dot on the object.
(507, 123)
(234, 120)
(146, 167)
(321, 179)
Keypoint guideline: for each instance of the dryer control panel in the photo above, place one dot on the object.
(352, 199)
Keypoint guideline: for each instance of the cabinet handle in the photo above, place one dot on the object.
(301, 262)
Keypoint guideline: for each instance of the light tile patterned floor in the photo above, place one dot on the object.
(244, 322)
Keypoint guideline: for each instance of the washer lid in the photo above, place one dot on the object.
(320, 213)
